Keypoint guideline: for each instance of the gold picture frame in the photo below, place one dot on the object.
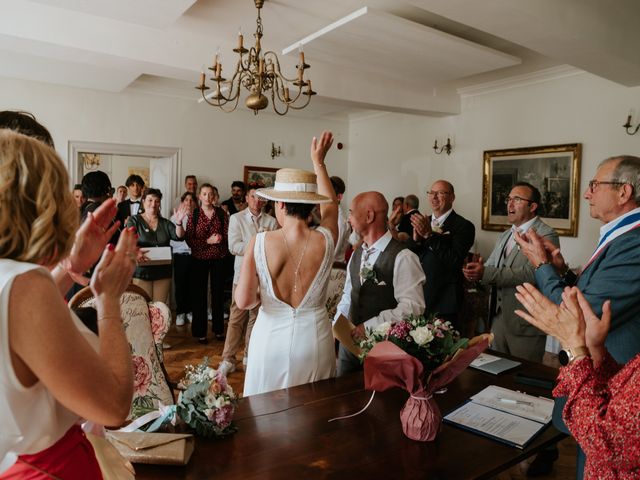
(553, 169)
(264, 176)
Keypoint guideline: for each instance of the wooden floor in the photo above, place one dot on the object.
(186, 350)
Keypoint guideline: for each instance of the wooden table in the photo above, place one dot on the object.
(285, 434)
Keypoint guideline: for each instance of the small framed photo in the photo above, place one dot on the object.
(263, 176)
(553, 169)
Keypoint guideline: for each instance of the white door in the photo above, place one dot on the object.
(161, 176)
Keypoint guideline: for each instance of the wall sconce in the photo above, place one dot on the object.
(447, 147)
(629, 128)
(275, 151)
(90, 161)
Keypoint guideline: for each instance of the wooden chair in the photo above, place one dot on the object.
(146, 324)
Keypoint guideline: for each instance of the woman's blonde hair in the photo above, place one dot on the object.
(38, 218)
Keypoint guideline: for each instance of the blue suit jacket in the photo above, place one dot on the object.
(614, 275)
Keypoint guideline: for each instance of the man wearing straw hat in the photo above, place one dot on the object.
(384, 278)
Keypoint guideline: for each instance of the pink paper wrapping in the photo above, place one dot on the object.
(387, 366)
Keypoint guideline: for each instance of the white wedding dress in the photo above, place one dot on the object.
(290, 346)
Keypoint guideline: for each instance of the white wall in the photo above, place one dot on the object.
(215, 145)
(395, 150)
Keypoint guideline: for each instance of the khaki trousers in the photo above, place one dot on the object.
(158, 290)
(239, 320)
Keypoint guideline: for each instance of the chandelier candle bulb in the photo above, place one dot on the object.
(202, 79)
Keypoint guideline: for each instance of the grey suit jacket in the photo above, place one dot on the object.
(515, 270)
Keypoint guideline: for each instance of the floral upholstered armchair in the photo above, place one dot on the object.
(146, 323)
(337, 278)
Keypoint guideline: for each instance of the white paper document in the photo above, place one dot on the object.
(492, 364)
(505, 415)
(503, 426)
(539, 409)
(157, 256)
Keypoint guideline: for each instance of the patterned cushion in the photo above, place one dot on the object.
(334, 290)
(146, 325)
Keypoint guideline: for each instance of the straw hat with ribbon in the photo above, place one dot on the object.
(294, 186)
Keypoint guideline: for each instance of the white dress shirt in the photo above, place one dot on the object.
(436, 222)
(242, 227)
(408, 279)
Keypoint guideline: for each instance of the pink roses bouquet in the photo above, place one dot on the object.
(207, 403)
(420, 355)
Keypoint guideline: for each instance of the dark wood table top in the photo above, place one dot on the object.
(286, 434)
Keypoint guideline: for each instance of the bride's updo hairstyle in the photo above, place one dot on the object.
(38, 217)
(297, 189)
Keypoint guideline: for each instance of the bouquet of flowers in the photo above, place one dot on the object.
(207, 402)
(421, 355)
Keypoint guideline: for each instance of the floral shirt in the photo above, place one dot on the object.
(603, 414)
(197, 235)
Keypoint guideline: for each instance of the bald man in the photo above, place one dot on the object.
(384, 278)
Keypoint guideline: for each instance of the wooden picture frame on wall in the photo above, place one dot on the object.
(265, 176)
(553, 169)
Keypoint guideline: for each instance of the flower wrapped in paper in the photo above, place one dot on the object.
(420, 355)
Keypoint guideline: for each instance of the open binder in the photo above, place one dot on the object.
(504, 415)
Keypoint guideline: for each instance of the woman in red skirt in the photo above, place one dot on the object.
(53, 370)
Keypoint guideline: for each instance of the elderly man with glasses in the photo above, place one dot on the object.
(442, 242)
(613, 271)
(506, 268)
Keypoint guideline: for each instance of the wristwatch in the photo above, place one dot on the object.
(568, 355)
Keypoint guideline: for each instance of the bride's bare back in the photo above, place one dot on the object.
(303, 246)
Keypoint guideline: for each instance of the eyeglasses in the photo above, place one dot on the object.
(438, 194)
(517, 200)
(593, 184)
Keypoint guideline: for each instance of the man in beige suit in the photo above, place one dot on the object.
(242, 227)
(506, 268)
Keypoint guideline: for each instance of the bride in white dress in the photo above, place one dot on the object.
(292, 342)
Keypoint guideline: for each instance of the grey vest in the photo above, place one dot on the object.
(369, 299)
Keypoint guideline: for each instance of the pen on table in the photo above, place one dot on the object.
(515, 402)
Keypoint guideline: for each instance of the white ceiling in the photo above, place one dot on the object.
(395, 55)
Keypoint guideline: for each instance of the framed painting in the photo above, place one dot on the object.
(553, 169)
(263, 176)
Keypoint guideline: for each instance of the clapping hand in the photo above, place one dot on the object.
(564, 321)
(421, 226)
(395, 217)
(540, 250)
(91, 238)
(115, 269)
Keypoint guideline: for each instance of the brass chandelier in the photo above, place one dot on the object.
(259, 73)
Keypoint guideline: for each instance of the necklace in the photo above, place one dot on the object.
(296, 272)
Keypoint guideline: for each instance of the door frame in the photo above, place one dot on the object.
(174, 153)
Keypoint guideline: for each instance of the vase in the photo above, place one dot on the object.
(421, 418)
